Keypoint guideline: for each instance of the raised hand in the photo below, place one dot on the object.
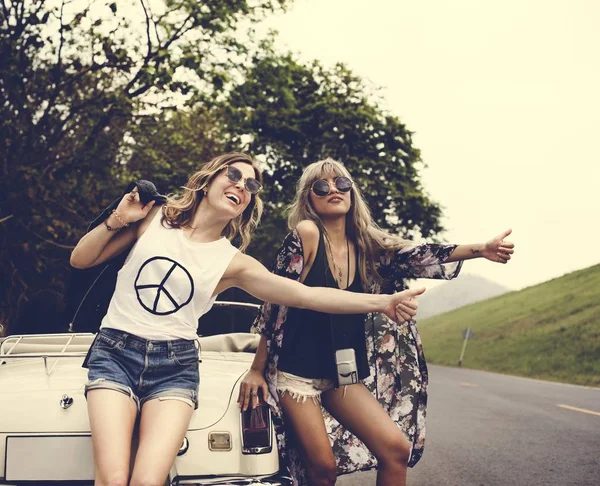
(403, 306)
(131, 209)
(497, 250)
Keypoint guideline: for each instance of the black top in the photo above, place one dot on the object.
(311, 337)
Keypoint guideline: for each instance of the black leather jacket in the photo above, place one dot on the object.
(90, 290)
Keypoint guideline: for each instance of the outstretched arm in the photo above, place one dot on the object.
(248, 274)
(496, 250)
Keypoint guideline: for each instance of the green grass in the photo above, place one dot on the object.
(550, 331)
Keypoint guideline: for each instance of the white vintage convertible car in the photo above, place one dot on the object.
(45, 433)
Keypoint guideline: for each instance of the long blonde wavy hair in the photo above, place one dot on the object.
(180, 209)
(360, 227)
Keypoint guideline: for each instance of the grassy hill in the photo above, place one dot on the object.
(549, 331)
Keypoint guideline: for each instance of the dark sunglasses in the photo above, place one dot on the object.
(322, 188)
(250, 183)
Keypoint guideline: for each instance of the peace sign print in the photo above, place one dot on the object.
(163, 286)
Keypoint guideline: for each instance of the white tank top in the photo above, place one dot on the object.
(166, 283)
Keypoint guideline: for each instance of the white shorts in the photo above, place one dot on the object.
(300, 388)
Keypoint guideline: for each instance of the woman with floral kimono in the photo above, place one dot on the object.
(379, 420)
(144, 362)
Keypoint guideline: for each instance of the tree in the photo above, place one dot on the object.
(294, 114)
(75, 79)
(173, 145)
(93, 94)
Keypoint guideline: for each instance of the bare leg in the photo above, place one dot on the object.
(163, 426)
(112, 418)
(306, 420)
(362, 415)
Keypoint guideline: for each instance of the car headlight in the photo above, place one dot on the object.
(185, 445)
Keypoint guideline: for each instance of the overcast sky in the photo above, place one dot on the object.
(504, 100)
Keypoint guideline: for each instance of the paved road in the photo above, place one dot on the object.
(486, 429)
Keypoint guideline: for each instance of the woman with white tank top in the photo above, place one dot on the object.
(144, 359)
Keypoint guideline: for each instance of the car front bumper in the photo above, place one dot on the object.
(276, 480)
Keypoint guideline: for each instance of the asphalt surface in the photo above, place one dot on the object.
(487, 429)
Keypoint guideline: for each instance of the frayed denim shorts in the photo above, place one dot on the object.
(143, 369)
(300, 388)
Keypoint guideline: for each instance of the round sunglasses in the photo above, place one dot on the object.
(322, 188)
(250, 183)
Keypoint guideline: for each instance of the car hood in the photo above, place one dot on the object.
(31, 398)
(220, 374)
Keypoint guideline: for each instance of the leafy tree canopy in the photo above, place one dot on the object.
(294, 114)
(74, 78)
(93, 94)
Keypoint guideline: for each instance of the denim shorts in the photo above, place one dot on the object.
(300, 388)
(142, 369)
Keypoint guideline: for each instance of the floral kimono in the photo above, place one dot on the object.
(398, 372)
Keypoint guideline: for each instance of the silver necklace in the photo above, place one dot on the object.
(339, 269)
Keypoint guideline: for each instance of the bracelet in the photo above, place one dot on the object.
(110, 228)
(121, 220)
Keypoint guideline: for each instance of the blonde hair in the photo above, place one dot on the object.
(180, 209)
(360, 227)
